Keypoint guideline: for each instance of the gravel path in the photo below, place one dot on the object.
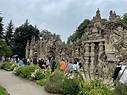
(18, 86)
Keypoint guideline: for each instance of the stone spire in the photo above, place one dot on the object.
(98, 14)
(112, 16)
(97, 17)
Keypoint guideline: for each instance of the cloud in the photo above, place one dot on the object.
(56, 7)
(58, 16)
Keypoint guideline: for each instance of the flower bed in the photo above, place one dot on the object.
(34, 73)
(9, 66)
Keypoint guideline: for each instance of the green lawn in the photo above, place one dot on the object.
(2, 91)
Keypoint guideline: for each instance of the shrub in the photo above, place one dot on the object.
(3, 65)
(9, 66)
(54, 83)
(41, 82)
(13, 65)
(120, 90)
(18, 70)
(70, 86)
(38, 74)
(25, 71)
(94, 87)
(62, 84)
(33, 72)
(48, 72)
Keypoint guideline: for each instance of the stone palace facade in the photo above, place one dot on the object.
(105, 40)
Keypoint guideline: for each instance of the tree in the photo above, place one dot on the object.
(119, 18)
(104, 19)
(4, 49)
(9, 34)
(46, 33)
(80, 30)
(23, 33)
(1, 28)
(124, 18)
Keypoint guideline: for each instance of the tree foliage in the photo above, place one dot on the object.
(23, 33)
(104, 19)
(45, 32)
(4, 49)
(80, 30)
(1, 28)
(9, 34)
(123, 18)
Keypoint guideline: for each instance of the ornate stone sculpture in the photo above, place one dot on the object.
(99, 37)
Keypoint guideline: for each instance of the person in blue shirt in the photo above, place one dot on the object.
(70, 67)
(21, 63)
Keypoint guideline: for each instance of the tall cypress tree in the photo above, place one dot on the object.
(9, 37)
(1, 28)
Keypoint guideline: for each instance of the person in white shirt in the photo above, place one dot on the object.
(123, 79)
(75, 67)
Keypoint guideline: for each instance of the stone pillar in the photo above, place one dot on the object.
(38, 50)
(27, 50)
(82, 53)
(31, 53)
(125, 38)
(92, 54)
(31, 50)
(41, 49)
(87, 54)
(101, 49)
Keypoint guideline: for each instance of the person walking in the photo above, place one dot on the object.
(75, 67)
(47, 63)
(62, 65)
(40, 62)
(53, 64)
(123, 71)
(116, 72)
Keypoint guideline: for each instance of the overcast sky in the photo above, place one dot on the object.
(58, 16)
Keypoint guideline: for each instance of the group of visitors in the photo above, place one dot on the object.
(45, 63)
(70, 66)
(64, 65)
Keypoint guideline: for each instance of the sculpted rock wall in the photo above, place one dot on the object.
(100, 36)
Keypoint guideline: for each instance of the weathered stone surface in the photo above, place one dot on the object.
(100, 36)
